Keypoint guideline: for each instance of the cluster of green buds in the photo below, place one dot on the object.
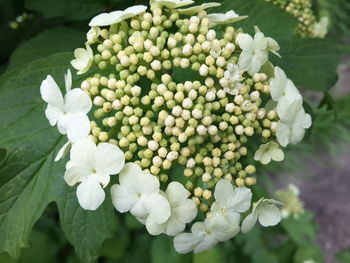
(161, 121)
(302, 10)
(20, 20)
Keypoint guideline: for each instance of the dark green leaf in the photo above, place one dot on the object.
(163, 248)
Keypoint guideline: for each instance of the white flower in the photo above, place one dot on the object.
(254, 51)
(195, 9)
(281, 86)
(320, 29)
(83, 59)
(231, 202)
(93, 34)
(267, 152)
(115, 17)
(225, 18)
(234, 78)
(183, 211)
(138, 193)
(205, 235)
(172, 4)
(63, 151)
(91, 166)
(69, 113)
(293, 120)
(266, 211)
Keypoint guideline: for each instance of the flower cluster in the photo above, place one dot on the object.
(177, 108)
(293, 206)
(308, 25)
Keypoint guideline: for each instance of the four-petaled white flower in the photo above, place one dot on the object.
(266, 211)
(172, 4)
(107, 19)
(234, 78)
(70, 112)
(267, 152)
(281, 86)
(231, 202)
(224, 18)
(138, 192)
(205, 235)
(195, 9)
(255, 51)
(293, 120)
(320, 28)
(91, 166)
(83, 59)
(183, 211)
(93, 34)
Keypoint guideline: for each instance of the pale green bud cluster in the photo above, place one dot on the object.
(192, 128)
(20, 20)
(302, 10)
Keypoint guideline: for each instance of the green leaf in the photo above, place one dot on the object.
(344, 256)
(308, 253)
(68, 9)
(301, 230)
(310, 63)
(30, 179)
(163, 248)
(211, 255)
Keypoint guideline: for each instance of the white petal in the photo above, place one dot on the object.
(233, 217)
(138, 209)
(90, 193)
(195, 9)
(130, 175)
(148, 184)
(260, 41)
(93, 34)
(122, 198)
(277, 155)
(223, 190)
(50, 92)
(245, 42)
(63, 151)
(207, 243)
(171, 4)
(186, 212)
(278, 84)
(76, 174)
(53, 114)
(249, 222)
(136, 9)
(78, 126)
(266, 158)
(106, 19)
(269, 215)
(283, 134)
(174, 226)
(82, 153)
(153, 228)
(109, 159)
(186, 242)
(288, 107)
(176, 193)
(158, 207)
(240, 200)
(77, 100)
(68, 80)
(297, 134)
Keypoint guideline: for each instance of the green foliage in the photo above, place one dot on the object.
(68, 9)
(344, 256)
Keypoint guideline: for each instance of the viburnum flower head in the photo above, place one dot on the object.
(91, 167)
(69, 113)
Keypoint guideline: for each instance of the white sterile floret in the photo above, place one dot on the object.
(205, 235)
(91, 166)
(320, 29)
(266, 211)
(234, 78)
(230, 202)
(83, 59)
(172, 4)
(267, 152)
(293, 120)
(93, 34)
(70, 112)
(281, 86)
(254, 51)
(225, 18)
(114, 17)
(195, 9)
(138, 192)
(183, 211)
